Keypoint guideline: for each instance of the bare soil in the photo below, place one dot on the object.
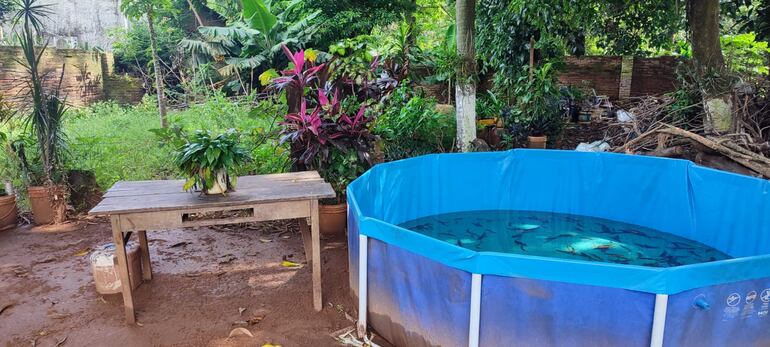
(195, 298)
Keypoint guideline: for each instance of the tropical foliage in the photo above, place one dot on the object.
(254, 40)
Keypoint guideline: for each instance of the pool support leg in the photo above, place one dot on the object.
(659, 320)
(473, 331)
(363, 250)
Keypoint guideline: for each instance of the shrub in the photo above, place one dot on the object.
(410, 126)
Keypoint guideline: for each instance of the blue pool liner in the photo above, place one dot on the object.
(419, 287)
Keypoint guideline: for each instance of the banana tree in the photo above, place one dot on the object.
(255, 39)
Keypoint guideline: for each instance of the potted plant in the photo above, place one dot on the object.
(208, 161)
(45, 109)
(8, 213)
(323, 134)
(537, 109)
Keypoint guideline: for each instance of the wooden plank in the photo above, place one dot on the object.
(144, 247)
(307, 239)
(315, 234)
(155, 187)
(163, 220)
(265, 193)
(122, 268)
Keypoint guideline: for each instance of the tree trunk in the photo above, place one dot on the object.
(703, 23)
(195, 12)
(465, 89)
(158, 74)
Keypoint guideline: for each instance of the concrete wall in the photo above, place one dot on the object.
(80, 23)
(88, 76)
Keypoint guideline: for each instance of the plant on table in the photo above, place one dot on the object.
(208, 161)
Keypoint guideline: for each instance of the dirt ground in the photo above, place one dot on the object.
(193, 299)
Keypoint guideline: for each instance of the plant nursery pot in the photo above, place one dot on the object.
(333, 219)
(537, 142)
(8, 212)
(48, 205)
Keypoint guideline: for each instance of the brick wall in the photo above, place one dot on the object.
(653, 76)
(599, 73)
(621, 77)
(87, 76)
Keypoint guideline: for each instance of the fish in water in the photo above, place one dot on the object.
(477, 224)
(521, 245)
(606, 229)
(605, 246)
(635, 232)
(568, 250)
(682, 245)
(560, 236)
(640, 245)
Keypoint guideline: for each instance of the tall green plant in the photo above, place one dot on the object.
(47, 107)
(136, 9)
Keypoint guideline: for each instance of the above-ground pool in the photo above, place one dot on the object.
(559, 248)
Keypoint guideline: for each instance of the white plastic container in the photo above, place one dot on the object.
(104, 262)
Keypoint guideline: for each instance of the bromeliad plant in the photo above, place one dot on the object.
(209, 160)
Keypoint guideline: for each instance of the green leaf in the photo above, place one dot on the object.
(188, 184)
(258, 16)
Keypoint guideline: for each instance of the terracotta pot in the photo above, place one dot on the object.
(333, 219)
(537, 142)
(48, 204)
(8, 212)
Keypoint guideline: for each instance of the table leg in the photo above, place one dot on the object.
(307, 240)
(145, 249)
(122, 268)
(315, 234)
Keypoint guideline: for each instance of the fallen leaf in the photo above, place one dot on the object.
(180, 244)
(240, 310)
(5, 307)
(270, 345)
(83, 252)
(139, 324)
(240, 331)
(192, 275)
(60, 342)
(240, 322)
(255, 320)
(265, 240)
(291, 264)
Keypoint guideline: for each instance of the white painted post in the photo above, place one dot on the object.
(363, 250)
(659, 320)
(473, 334)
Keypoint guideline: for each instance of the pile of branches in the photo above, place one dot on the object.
(662, 126)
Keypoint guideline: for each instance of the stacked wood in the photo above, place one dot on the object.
(656, 130)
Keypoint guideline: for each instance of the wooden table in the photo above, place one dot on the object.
(138, 206)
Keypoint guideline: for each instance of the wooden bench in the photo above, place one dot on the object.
(138, 206)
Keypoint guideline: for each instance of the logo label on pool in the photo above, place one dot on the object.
(733, 299)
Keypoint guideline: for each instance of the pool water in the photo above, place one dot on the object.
(566, 236)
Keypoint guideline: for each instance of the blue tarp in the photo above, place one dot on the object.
(419, 286)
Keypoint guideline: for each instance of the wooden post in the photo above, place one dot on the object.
(307, 239)
(145, 250)
(122, 268)
(531, 58)
(315, 231)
